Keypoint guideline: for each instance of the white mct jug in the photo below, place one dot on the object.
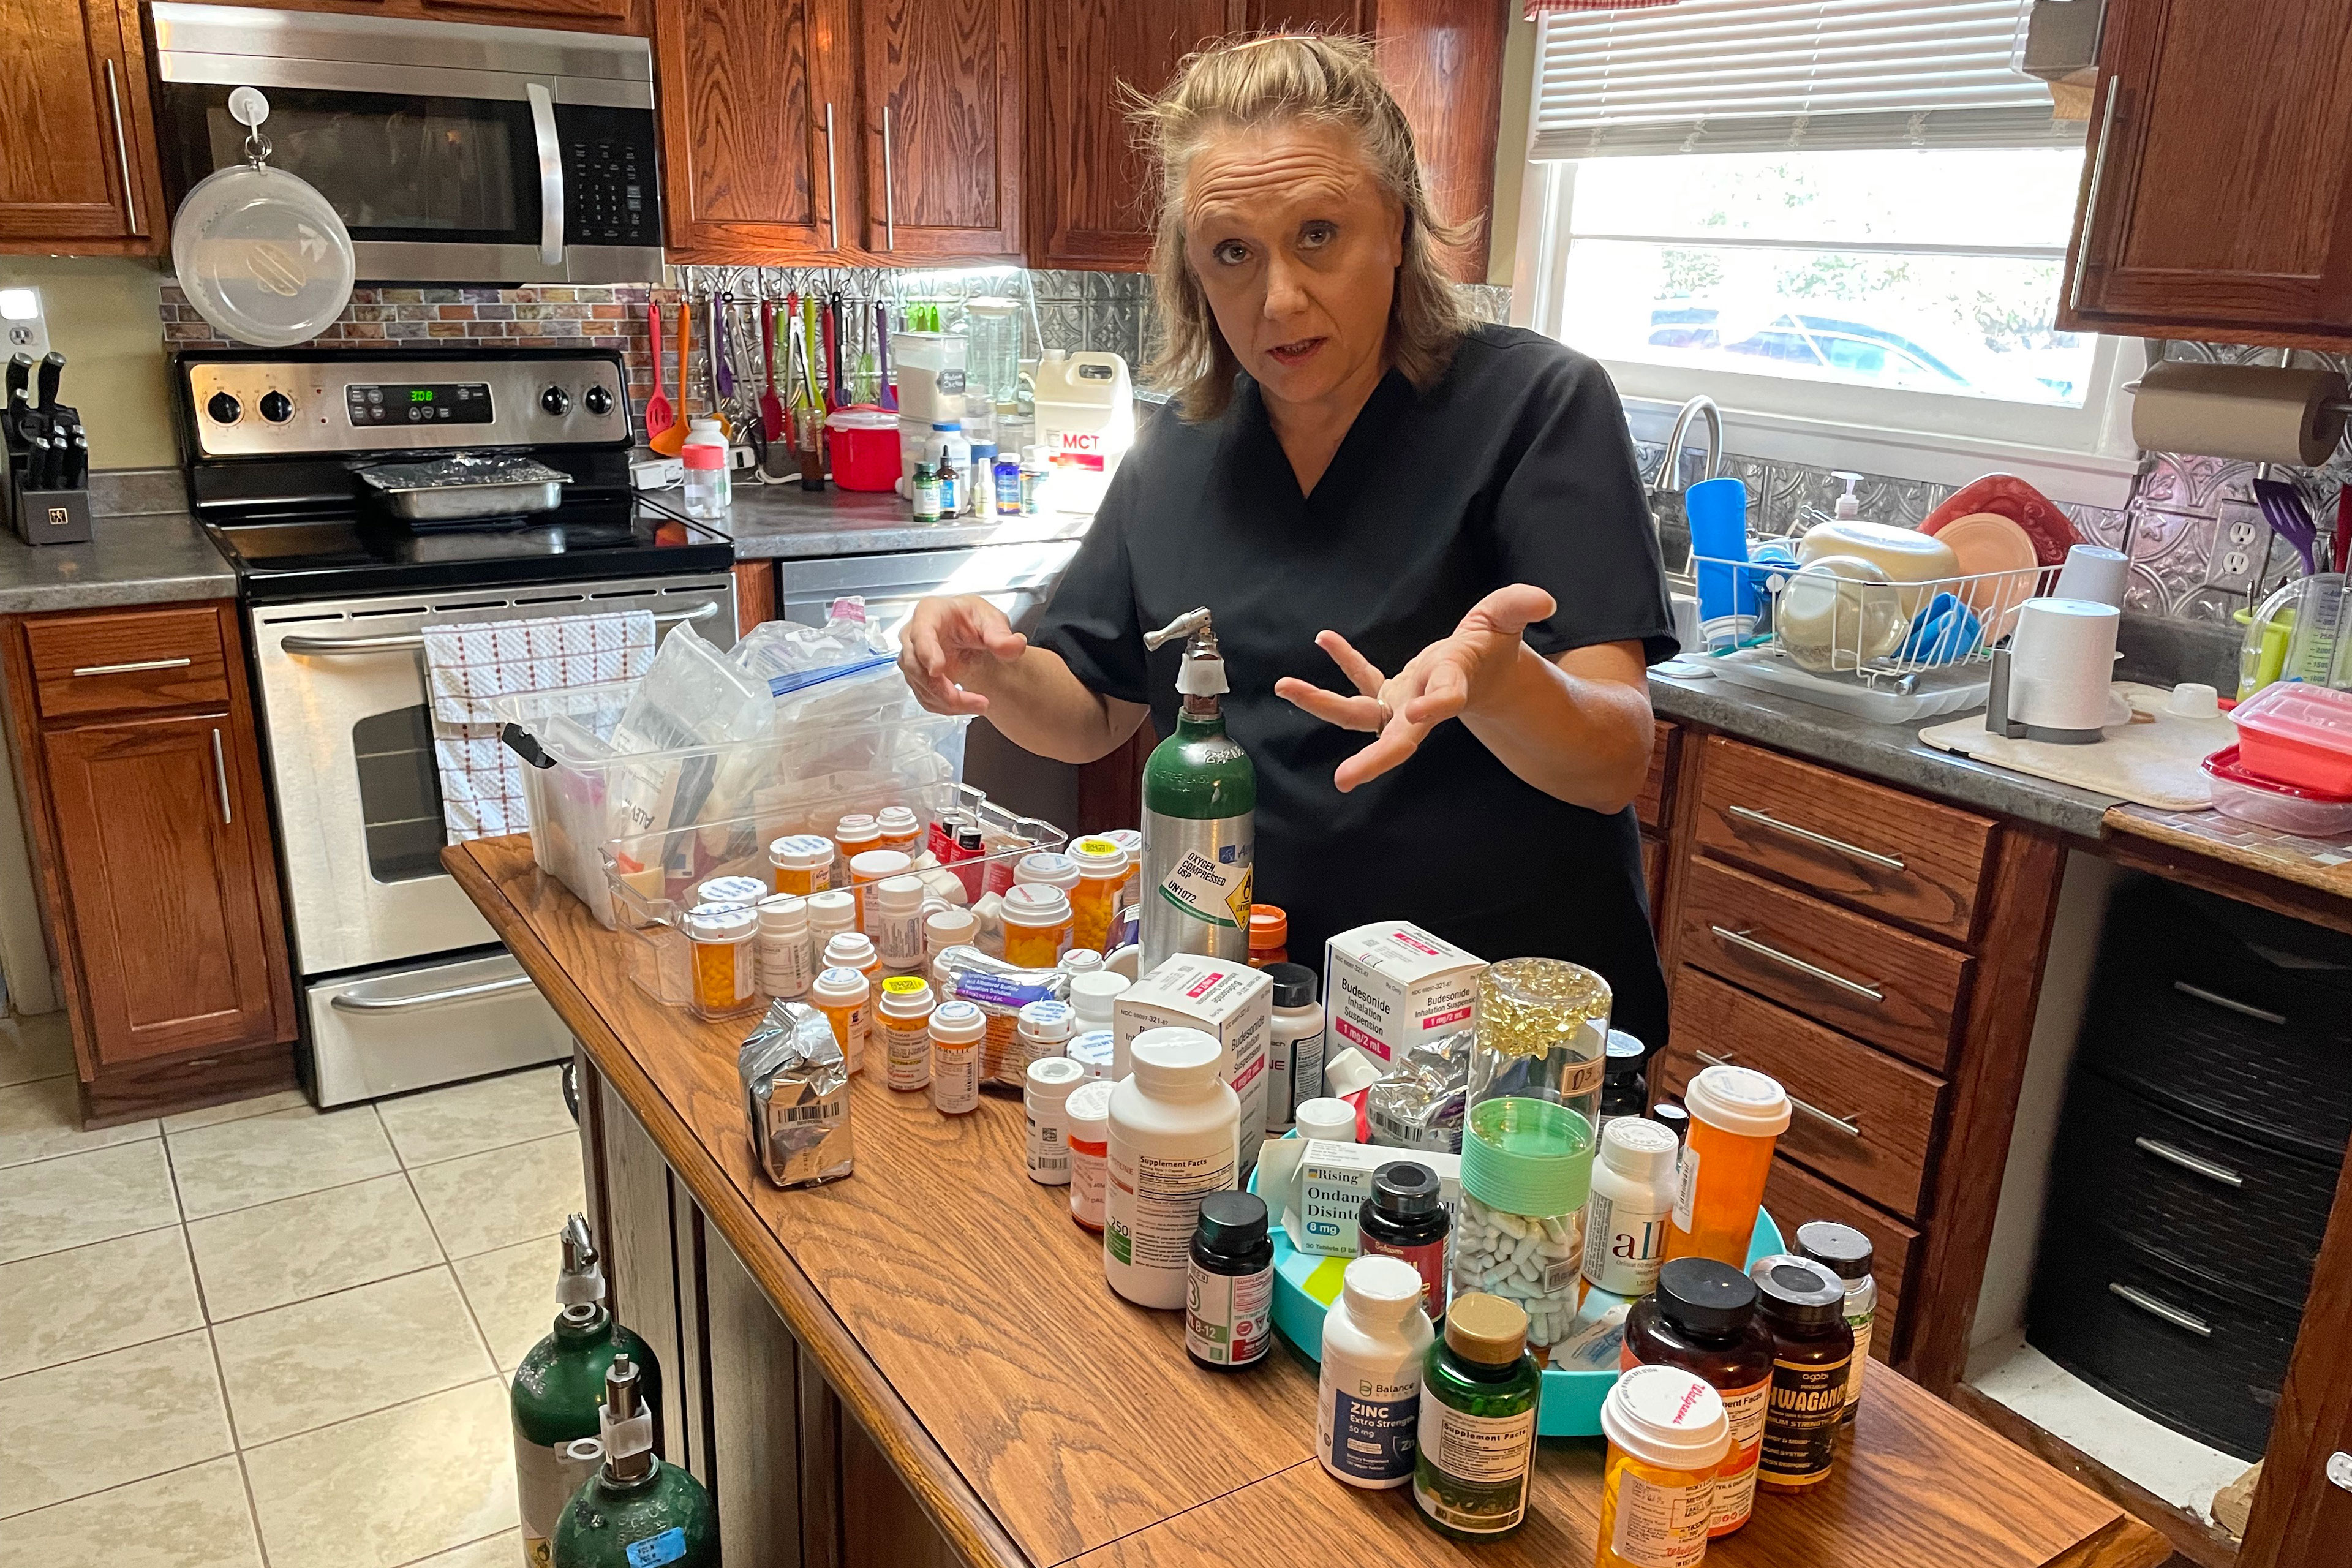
(1086, 422)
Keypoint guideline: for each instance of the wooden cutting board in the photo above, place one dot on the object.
(2155, 761)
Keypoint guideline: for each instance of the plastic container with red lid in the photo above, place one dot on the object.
(864, 444)
(2308, 813)
(2297, 733)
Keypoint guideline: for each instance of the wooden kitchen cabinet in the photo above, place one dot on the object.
(941, 83)
(2217, 195)
(149, 822)
(631, 19)
(77, 171)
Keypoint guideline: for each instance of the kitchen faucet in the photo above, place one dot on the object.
(1666, 492)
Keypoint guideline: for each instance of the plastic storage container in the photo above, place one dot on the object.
(2299, 734)
(865, 444)
(2313, 813)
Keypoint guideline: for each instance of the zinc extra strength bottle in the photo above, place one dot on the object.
(1199, 815)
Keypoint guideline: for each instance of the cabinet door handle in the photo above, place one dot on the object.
(122, 151)
(220, 776)
(2164, 1310)
(832, 190)
(412, 642)
(344, 1002)
(133, 666)
(2091, 197)
(1851, 851)
(1828, 977)
(2196, 1164)
(2247, 1008)
(889, 192)
(1850, 1126)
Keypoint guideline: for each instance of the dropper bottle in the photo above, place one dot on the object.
(1199, 813)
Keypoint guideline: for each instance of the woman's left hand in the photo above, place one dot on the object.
(1445, 681)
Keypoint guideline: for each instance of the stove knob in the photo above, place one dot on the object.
(277, 408)
(224, 408)
(555, 400)
(599, 401)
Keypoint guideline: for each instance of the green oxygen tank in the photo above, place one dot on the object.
(1199, 815)
(555, 1393)
(635, 1510)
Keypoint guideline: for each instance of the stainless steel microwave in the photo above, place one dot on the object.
(455, 152)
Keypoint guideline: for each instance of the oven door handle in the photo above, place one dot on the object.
(551, 173)
(343, 1002)
(414, 642)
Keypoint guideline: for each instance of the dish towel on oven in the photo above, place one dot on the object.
(467, 664)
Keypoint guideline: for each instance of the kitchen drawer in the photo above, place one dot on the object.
(2188, 1351)
(2240, 1211)
(127, 661)
(1870, 980)
(1650, 805)
(1864, 1120)
(1862, 845)
(1793, 1195)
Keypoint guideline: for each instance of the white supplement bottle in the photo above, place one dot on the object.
(957, 1029)
(1631, 1205)
(1044, 1027)
(1294, 1048)
(1333, 1121)
(1174, 1128)
(830, 913)
(903, 1019)
(786, 966)
(1081, 960)
(1093, 997)
(894, 918)
(1368, 1408)
(1045, 1100)
(1089, 1112)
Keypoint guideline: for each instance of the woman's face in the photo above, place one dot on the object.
(1297, 247)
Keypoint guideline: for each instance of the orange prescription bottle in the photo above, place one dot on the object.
(1736, 1113)
(1036, 926)
(802, 863)
(900, 828)
(723, 962)
(875, 866)
(852, 837)
(1102, 868)
(1667, 1434)
(1269, 936)
(845, 997)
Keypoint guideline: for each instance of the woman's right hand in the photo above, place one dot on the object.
(950, 643)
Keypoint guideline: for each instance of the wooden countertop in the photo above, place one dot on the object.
(962, 1318)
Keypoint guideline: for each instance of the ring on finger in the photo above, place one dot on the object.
(1388, 715)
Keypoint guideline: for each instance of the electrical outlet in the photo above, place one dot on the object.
(24, 325)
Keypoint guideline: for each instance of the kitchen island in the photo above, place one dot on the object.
(938, 1374)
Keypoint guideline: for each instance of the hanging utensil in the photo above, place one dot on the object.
(2283, 510)
(832, 320)
(659, 415)
(672, 441)
(771, 408)
(887, 393)
(722, 380)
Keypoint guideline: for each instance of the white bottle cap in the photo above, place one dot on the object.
(950, 928)
(1664, 1415)
(899, 895)
(906, 996)
(1333, 1121)
(835, 909)
(855, 828)
(1093, 996)
(848, 949)
(1088, 1108)
(1639, 1149)
(1094, 1051)
(1739, 1101)
(720, 922)
(731, 890)
(1177, 1060)
(1047, 867)
(1051, 1080)
(803, 851)
(958, 1022)
(839, 988)
(783, 914)
(1082, 961)
(875, 865)
(1048, 1022)
(1100, 856)
(897, 822)
(1380, 1289)
(1037, 904)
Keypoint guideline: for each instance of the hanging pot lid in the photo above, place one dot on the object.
(260, 253)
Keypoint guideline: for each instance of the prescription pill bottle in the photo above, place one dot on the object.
(848, 949)
(1131, 840)
(786, 966)
(1045, 869)
(730, 891)
(894, 918)
(1036, 924)
(900, 828)
(1736, 1113)
(1269, 936)
(1667, 1434)
(800, 863)
(853, 835)
(944, 929)
(957, 1028)
(1101, 867)
(723, 964)
(865, 871)
(1044, 1100)
(1088, 1113)
(1043, 1028)
(830, 913)
(1701, 1318)
(904, 1020)
(846, 998)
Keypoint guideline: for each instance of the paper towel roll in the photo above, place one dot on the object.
(2259, 412)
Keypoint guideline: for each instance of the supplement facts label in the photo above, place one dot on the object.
(1802, 1421)
(1155, 1204)
(1480, 1449)
(1860, 1324)
(1735, 1479)
(1228, 1318)
(1659, 1527)
(1369, 1437)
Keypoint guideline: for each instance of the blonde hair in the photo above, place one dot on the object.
(1311, 78)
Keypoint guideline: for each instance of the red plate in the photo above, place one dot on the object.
(2051, 531)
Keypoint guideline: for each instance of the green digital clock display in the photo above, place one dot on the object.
(420, 395)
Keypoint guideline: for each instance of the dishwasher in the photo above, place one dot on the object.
(1016, 578)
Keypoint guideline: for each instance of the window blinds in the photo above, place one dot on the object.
(1738, 76)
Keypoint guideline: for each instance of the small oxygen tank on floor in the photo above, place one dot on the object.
(1199, 815)
(635, 1510)
(558, 1390)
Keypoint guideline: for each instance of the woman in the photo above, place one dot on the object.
(1450, 514)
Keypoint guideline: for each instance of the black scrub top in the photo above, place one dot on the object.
(1515, 468)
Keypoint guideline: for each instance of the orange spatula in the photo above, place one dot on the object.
(659, 415)
(672, 441)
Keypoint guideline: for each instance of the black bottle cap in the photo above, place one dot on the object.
(1700, 1296)
(1404, 1187)
(1842, 1249)
(1798, 1291)
(1622, 1046)
(1675, 1118)
(1294, 984)
(1232, 1224)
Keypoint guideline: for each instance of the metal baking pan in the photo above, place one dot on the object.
(464, 486)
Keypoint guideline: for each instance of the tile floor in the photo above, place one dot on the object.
(264, 1336)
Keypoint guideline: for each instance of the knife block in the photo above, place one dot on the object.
(44, 517)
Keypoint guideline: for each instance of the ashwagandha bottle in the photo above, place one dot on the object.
(1199, 815)
(635, 1510)
(554, 1396)
(1367, 1404)
(1804, 1305)
(1475, 1452)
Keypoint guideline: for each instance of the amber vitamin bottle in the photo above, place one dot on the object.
(1703, 1319)
(1804, 1305)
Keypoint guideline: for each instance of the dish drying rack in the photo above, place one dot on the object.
(1888, 652)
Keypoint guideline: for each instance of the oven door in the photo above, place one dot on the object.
(351, 759)
(452, 153)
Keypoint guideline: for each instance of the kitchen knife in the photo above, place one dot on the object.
(76, 473)
(17, 425)
(37, 465)
(20, 374)
(53, 370)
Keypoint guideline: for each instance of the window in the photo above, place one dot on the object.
(1851, 213)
